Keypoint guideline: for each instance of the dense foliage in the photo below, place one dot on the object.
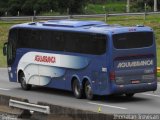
(27, 7)
(104, 1)
(138, 5)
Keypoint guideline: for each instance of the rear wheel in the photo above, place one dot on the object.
(23, 83)
(88, 91)
(129, 95)
(78, 92)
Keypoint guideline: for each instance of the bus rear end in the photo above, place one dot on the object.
(133, 62)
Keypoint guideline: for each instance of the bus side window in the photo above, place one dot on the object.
(45, 40)
(71, 40)
(85, 43)
(101, 43)
(34, 41)
(24, 36)
(57, 41)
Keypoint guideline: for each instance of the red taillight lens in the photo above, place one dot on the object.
(112, 75)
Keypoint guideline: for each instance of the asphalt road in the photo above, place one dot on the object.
(146, 103)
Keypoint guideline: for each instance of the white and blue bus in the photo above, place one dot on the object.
(87, 57)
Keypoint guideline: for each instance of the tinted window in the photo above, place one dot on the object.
(24, 38)
(44, 40)
(57, 41)
(133, 40)
(62, 41)
(85, 43)
(40, 39)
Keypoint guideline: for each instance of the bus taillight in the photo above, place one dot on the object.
(112, 75)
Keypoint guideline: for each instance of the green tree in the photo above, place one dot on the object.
(74, 6)
(63, 5)
(103, 1)
(138, 5)
(77, 6)
(46, 5)
(3, 7)
(14, 6)
(27, 7)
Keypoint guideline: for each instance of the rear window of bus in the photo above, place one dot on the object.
(133, 40)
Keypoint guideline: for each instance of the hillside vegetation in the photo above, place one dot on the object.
(109, 7)
(39, 7)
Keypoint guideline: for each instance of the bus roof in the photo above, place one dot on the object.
(83, 26)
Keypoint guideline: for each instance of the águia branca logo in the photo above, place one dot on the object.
(135, 64)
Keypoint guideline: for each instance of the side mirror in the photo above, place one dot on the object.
(5, 49)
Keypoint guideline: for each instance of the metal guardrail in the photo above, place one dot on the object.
(29, 106)
(31, 18)
(76, 16)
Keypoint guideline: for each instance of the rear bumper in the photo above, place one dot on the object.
(133, 88)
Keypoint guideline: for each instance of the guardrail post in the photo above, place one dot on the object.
(145, 7)
(155, 6)
(144, 15)
(18, 13)
(68, 13)
(34, 13)
(32, 19)
(106, 16)
(6, 13)
(70, 17)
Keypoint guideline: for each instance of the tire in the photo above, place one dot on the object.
(88, 91)
(129, 95)
(24, 86)
(78, 92)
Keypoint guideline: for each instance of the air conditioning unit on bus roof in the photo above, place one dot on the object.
(71, 23)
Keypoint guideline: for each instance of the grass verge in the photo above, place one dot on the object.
(109, 7)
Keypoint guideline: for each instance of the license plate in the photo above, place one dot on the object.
(135, 81)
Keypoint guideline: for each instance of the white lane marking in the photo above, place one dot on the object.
(158, 84)
(107, 105)
(150, 95)
(4, 89)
